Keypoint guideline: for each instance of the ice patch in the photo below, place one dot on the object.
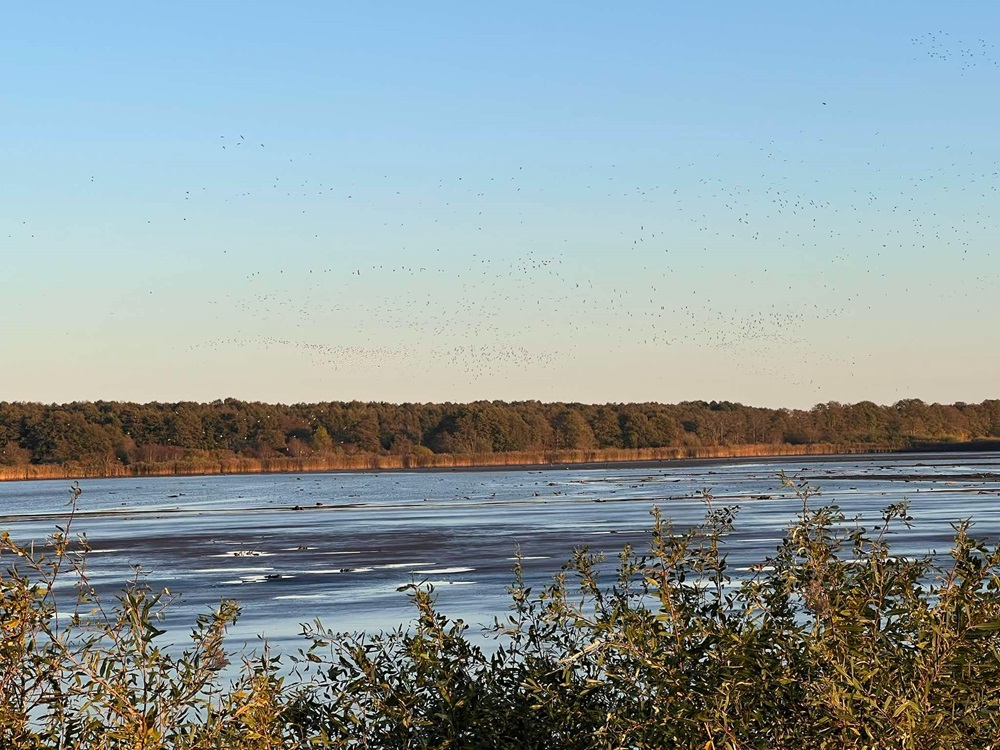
(232, 570)
(248, 579)
(244, 553)
(450, 583)
(330, 571)
(97, 551)
(302, 596)
(436, 571)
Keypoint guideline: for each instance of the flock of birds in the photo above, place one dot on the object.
(521, 270)
(941, 45)
(684, 269)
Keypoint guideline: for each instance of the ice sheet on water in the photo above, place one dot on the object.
(245, 553)
(437, 571)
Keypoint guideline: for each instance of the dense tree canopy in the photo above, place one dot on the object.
(111, 432)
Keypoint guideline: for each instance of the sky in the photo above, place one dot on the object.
(779, 203)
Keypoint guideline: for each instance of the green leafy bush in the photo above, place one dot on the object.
(833, 642)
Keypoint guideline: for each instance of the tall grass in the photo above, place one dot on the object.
(425, 460)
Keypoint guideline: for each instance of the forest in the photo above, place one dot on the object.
(107, 436)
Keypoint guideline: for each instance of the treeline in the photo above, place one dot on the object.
(107, 435)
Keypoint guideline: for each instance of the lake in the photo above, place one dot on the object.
(338, 546)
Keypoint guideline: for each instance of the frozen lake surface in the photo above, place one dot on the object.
(337, 546)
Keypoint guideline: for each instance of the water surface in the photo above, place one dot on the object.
(338, 546)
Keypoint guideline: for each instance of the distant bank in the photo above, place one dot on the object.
(445, 461)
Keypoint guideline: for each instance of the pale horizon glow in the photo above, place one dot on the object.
(779, 206)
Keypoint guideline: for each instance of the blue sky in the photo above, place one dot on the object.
(780, 205)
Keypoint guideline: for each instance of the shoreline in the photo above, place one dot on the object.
(694, 462)
(651, 458)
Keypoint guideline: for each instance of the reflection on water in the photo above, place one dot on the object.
(339, 546)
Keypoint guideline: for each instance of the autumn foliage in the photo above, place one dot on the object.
(112, 438)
